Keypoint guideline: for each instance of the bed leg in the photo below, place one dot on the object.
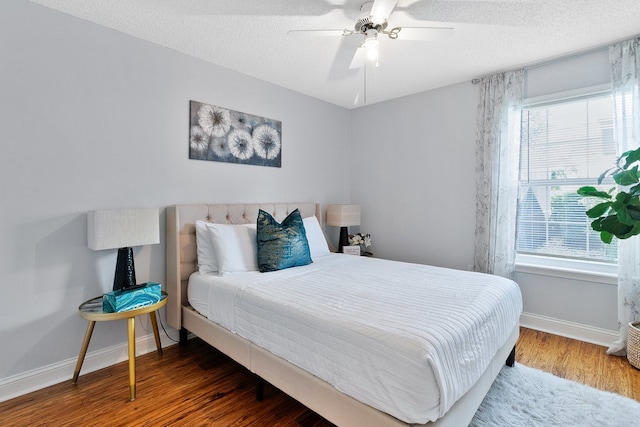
(260, 390)
(183, 336)
(511, 360)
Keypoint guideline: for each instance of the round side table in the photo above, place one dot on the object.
(91, 310)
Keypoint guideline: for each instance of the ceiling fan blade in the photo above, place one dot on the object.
(381, 9)
(320, 33)
(358, 58)
(425, 33)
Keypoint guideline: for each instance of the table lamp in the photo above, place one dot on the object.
(343, 216)
(122, 229)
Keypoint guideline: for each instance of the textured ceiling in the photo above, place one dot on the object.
(251, 36)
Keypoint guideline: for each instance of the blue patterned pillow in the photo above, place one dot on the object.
(281, 245)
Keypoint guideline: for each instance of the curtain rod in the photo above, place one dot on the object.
(556, 60)
(534, 65)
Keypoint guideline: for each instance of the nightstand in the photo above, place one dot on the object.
(92, 311)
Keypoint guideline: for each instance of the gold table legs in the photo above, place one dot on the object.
(83, 350)
(131, 327)
(154, 325)
(131, 341)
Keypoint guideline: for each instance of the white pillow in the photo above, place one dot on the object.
(317, 242)
(207, 261)
(235, 247)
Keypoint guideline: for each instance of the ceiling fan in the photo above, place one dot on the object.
(375, 24)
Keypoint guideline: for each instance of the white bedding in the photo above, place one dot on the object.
(407, 339)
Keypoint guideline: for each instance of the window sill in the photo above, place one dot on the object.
(587, 271)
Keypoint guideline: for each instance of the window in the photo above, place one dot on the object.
(565, 144)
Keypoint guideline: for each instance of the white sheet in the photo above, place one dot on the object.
(407, 339)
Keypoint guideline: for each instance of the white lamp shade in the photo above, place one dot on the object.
(119, 228)
(343, 215)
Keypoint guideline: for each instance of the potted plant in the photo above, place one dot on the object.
(618, 214)
(363, 241)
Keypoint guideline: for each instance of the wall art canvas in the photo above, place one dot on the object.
(224, 135)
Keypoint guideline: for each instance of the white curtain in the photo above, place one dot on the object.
(625, 60)
(497, 165)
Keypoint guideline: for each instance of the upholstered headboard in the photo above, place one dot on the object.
(181, 240)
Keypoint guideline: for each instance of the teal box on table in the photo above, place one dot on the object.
(130, 299)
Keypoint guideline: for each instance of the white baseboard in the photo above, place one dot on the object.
(46, 376)
(577, 331)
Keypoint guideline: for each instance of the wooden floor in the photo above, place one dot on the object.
(578, 361)
(196, 385)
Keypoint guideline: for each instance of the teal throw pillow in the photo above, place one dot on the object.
(281, 245)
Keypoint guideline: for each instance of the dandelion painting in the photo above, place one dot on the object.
(224, 135)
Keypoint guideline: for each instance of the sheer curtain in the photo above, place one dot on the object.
(625, 60)
(497, 164)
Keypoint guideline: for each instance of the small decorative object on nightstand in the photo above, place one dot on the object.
(351, 250)
(93, 312)
(131, 298)
(343, 216)
(362, 241)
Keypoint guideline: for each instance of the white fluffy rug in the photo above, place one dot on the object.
(523, 396)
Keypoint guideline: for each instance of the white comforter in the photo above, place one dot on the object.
(407, 339)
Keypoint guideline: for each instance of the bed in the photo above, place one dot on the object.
(333, 402)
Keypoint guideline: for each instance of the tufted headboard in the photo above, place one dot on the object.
(181, 240)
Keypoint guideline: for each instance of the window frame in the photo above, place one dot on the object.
(576, 269)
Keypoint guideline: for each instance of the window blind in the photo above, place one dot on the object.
(564, 145)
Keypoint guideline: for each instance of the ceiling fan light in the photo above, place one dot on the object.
(370, 44)
(371, 39)
(372, 53)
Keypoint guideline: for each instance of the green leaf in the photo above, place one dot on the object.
(623, 197)
(603, 175)
(626, 177)
(606, 237)
(631, 156)
(634, 212)
(634, 231)
(624, 217)
(596, 224)
(599, 210)
(589, 191)
(617, 206)
(614, 226)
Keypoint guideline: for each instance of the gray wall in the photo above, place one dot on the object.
(414, 175)
(91, 118)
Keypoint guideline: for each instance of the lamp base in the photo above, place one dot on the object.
(344, 239)
(125, 276)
